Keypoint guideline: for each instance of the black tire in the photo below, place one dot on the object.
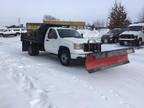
(121, 43)
(139, 42)
(5, 36)
(17, 34)
(1, 35)
(115, 40)
(106, 41)
(102, 41)
(33, 50)
(64, 57)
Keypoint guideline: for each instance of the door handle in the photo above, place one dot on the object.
(47, 40)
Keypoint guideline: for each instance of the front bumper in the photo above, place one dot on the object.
(87, 49)
(110, 40)
(79, 55)
(128, 41)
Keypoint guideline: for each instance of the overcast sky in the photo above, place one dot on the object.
(85, 10)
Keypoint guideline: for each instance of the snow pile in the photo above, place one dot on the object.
(88, 33)
(93, 34)
(101, 33)
(38, 98)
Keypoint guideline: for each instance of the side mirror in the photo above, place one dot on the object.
(55, 37)
(81, 34)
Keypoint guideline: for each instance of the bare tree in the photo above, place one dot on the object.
(118, 17)
(99, 23)
(141, 16)
(49, 18)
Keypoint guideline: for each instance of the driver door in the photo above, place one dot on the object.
(51, 40)
(143, 33)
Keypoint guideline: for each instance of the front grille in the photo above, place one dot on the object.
(94, 47)
(127, 36)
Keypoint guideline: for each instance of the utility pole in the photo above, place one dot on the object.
(19, 21)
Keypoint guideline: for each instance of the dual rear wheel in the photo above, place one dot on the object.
(33, 49)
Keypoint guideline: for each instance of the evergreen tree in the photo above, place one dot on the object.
(118, 17)
(141, 16)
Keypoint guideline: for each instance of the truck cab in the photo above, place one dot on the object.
(67, 39)
(134, 35)
(2, 29)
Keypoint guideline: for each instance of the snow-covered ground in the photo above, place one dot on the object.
(42, 82)
(93, 34)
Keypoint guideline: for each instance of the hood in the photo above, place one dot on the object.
(89, 33)
(76, 40)
(135, 33)
(107, 35)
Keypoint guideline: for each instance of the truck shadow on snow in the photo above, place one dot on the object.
(53, 59)
(77, 67)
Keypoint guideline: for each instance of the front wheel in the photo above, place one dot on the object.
(33, 50)
(1, 35)
(105, 40)
(139, 42)
(64, 57)
(121, 43)
(115, 40)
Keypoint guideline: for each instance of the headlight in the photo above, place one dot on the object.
(78, 46)
(111, 36)
(136, 37)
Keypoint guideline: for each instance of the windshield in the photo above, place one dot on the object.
(114, 31)
(65, 33)
(135, 28)
(111, 32)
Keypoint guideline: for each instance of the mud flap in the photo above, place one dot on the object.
(107, 59)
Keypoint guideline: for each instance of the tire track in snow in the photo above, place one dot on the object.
(38, 97)
(107, 98)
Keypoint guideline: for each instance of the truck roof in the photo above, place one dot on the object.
(60, 28)
(137, 24)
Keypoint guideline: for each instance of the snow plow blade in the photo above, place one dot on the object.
(102, 60)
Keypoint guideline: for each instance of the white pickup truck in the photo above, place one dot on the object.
(68, 44)
(13, 32)
(134, 35)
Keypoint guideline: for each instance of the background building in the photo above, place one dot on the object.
(73, 24)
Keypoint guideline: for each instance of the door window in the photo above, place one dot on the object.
(143, 29)
(52, 34)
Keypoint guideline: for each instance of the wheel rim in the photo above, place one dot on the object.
(115, 40)
(140, 42)
(105, 41)
(64, 58)
(125, 43)
(30, 50)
